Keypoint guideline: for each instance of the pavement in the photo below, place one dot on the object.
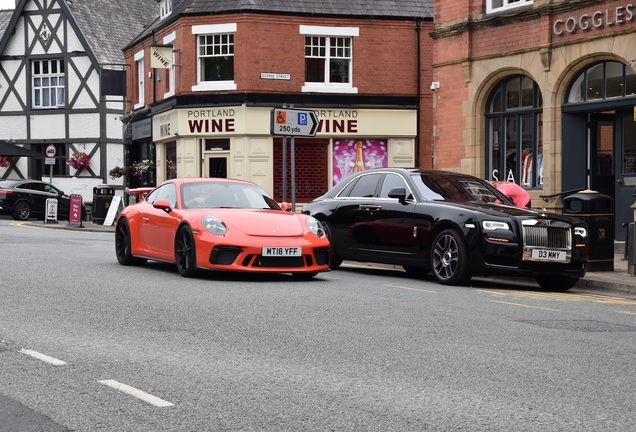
(617, 281)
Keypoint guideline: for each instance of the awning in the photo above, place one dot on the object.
(8, 148)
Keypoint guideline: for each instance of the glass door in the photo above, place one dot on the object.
(216, 165)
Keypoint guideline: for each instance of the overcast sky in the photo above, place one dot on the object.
(7, 4)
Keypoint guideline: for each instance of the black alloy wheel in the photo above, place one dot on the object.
(22, 211)
(123, 248)
(449, 259)
(334, 260)
(185, 252)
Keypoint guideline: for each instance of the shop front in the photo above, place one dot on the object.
(236, 142)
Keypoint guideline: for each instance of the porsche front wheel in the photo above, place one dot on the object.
(185, 252)
(123, 242)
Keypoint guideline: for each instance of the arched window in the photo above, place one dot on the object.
(602, 81)
(514, 150)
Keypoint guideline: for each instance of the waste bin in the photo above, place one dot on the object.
(102, 196)
(630, 245)
(597, 210)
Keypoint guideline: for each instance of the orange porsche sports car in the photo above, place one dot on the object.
(219, 224)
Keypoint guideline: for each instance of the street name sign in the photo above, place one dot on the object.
(294, 122)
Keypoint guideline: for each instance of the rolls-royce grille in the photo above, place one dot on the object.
(545, 235)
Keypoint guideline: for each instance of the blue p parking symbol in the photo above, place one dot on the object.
(302, 119)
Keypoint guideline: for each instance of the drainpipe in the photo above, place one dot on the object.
(419, 91)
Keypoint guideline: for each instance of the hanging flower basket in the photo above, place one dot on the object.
(117, 172)
(138, 169)
(4, 162)
(79, 160)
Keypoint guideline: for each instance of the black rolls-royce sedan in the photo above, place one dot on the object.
(453, 225)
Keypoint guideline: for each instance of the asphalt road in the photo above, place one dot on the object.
(89, 345)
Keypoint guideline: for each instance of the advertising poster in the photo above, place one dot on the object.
(355, 155)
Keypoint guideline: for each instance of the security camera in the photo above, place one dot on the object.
(434, 85)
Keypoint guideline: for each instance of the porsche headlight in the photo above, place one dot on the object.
(580, 231)
(315, 226)
(495, 225)
(214, 225)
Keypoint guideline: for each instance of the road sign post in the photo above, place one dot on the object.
(51, 152)
(292, 122)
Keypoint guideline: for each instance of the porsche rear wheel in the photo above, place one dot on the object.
(449, 259)
(185, 252)
(21, 211)
(123, 248)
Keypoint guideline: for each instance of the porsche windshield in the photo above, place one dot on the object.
(225, 195)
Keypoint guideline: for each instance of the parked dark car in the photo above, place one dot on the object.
(453, 225)
(25, 199)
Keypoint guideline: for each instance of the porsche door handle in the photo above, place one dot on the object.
(370, 207)
(145, 219)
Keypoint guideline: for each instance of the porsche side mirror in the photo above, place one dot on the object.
(285, 206)
(399, 194)
(162, 204)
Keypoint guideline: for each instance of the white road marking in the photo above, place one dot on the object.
(153, 400)
(43, 357)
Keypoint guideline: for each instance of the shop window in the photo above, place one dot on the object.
(49, 83)
(139, 74)
(329, 59)
(355, 155)
(629, 145)
(602, 81)
(171, 160)
(500, 5)
(215, 57)
(514, 133)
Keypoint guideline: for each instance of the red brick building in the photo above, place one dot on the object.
(206, 108)
(539, 92)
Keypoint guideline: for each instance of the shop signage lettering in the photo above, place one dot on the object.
(211, 113)
(211, 120)
(331, 121)
(597, 19)
(212, 125)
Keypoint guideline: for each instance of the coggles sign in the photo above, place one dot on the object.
(598, 19)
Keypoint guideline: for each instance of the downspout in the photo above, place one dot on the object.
(419, 91)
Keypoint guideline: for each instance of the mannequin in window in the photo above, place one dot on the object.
(516, 193)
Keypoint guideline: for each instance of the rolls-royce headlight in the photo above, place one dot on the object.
(495, 225)
(214, 225)
(315, 226)
(580, 231)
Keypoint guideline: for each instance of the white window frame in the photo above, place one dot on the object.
(165, 8)
(212, 29)
(506, 4)
(57, 89)
(141, 79)
(331, 32)
(169, 40)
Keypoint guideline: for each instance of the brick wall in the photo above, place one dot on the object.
(311, 169)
